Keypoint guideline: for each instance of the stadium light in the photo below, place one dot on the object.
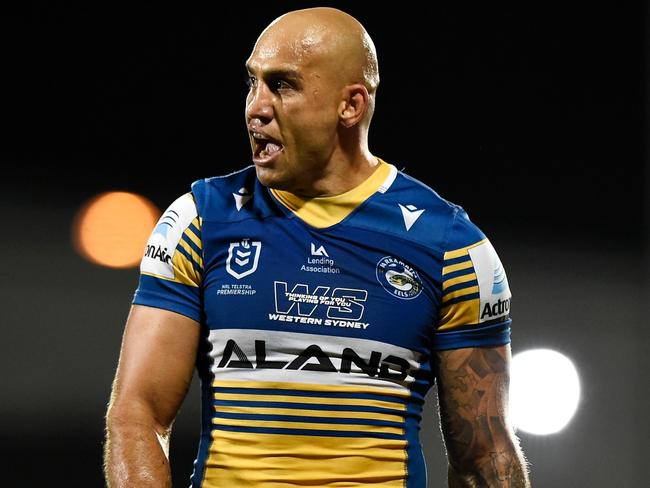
(112, 229)
(544, 391)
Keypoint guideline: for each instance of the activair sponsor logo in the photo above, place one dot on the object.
(496, 309)
(398, 278)
(314, 358)
(500, 280)
(157, 252)
(166, 222)
(340, 307)
(320, 261)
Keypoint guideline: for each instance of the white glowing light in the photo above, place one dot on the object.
(544, 391)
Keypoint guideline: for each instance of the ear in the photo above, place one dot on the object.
(354, 104)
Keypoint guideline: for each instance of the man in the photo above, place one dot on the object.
(319, 294)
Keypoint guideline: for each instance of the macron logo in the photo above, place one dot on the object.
(411, 214)
(241, 198)
(318, 252)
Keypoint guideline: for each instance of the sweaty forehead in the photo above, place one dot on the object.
(291, 45)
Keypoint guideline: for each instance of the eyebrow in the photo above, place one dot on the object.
(278, 72)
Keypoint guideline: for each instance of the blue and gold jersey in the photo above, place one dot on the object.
(320, 318)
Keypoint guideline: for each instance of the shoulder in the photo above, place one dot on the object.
(445, 223)
(411, 210)
(231, 197)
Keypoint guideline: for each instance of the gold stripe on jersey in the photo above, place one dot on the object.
(456, 267)
(282, 424)
(185, 271)
(317, 455)
(240, 459)
(457, 280)
(326, 211)
(463, 312)
(460, 293)
(193, 254)
(458, 314)
(463, 251)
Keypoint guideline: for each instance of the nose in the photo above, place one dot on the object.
(259, 103)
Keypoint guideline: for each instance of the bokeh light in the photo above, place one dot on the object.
(544, 391)
(112, 229)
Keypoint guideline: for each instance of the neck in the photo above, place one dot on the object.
(348, 167)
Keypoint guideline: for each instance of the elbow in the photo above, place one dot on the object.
(133, 415)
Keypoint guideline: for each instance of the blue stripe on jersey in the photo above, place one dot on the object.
(460, 272)
(191, 243)
(318, 433)
(305, 393)
(491, 335)
(307, 406)
(304, 418)
(460, 299)
(460, 259)
(189, 257)
(460, 286)
(195, 230)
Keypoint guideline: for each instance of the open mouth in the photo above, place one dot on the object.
(264, 147)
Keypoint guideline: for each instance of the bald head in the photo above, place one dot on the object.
(327, 36)
(312, 77)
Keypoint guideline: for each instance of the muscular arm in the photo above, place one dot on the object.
(473, 393)
(153, 375)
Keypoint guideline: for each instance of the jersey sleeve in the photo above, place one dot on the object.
(171, 270)
(475, 298)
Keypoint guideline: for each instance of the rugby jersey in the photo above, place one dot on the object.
(320, 318)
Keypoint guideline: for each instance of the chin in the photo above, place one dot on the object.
(270, 178)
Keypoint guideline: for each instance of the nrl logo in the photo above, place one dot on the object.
(243, 258)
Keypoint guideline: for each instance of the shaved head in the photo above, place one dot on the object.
(328, 36)
(312, 76)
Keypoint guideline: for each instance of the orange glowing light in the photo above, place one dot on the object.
(112, 229)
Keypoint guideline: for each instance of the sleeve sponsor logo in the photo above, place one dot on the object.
(492, 281)
(160, 249)
(157, 252)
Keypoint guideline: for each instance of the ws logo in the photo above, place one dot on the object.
(340, 303)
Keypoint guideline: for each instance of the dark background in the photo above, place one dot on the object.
(531, 117)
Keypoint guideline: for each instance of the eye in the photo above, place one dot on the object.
(251, 81)
(279, 84)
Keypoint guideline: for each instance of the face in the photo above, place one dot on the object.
(291, 111)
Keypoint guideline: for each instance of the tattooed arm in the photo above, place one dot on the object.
(481, 446)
